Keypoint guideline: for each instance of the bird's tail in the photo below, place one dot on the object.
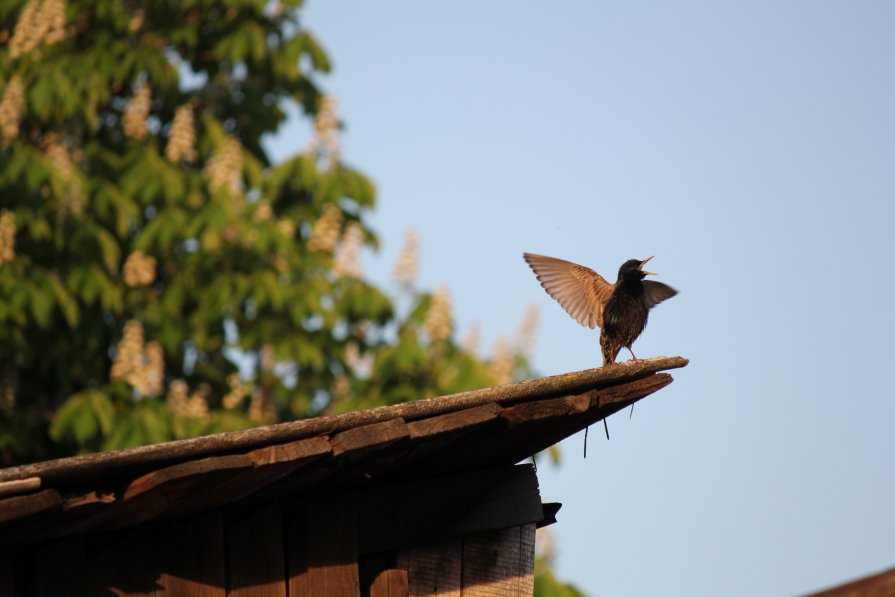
(609, 350)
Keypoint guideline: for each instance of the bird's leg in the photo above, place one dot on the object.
(635, 359)
(614, 355)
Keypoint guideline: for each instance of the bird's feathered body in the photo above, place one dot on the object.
(620, 310)
(624, 317)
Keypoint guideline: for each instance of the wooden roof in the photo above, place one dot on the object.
(877, 585)
(429, 438)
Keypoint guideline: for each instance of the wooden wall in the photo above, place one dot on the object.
(353, 544)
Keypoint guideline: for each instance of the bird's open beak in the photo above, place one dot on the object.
(642, 263)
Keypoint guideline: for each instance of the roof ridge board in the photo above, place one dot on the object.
(63, 469)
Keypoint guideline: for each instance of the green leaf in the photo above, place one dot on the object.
(66, 301)
(319, 59)
(144, 422)
(39, 228)
(41, 303)
(257, 40)
(40, 95)
(83, 416)
(358, 187)
(110, 295)
(109, 248)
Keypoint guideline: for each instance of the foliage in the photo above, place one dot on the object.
(160, 277)
(546, 584)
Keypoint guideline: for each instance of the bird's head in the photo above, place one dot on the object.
(632, 269)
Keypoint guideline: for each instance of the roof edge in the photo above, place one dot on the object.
(232, 441)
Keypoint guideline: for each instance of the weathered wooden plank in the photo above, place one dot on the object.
(58, 522)
(455, 421)
(604, 403)
(332, 548)
(255, 554)
(114, 515)
(296, 528)
(499, 563)
(310, 479)
(19, 486)
(144, 499)
(425, 436)
(291, 452)
(629, 392)
(177, 490)
(172, 491)
(120, 564)
(432, 435)
(323, 550)
(529, 430)
(366, 454)
(270, 465)
(433, 569)
(535, 426)
(227, 490)
(59, 569)
(357, 454)
(88, 500)
(411, 513)
(108, 465)
(156, 493)
(20, 506)
(540, 434)
(390, 583)
(369, 437)
(191, 471)
(189, 557)
(552, 408)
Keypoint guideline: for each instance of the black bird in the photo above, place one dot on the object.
(619, 309)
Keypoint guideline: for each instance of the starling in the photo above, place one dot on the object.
(619, 309)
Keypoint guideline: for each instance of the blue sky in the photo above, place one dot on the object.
(750, 146)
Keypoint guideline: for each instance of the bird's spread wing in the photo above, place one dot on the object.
(656, 292)
(581, 291)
